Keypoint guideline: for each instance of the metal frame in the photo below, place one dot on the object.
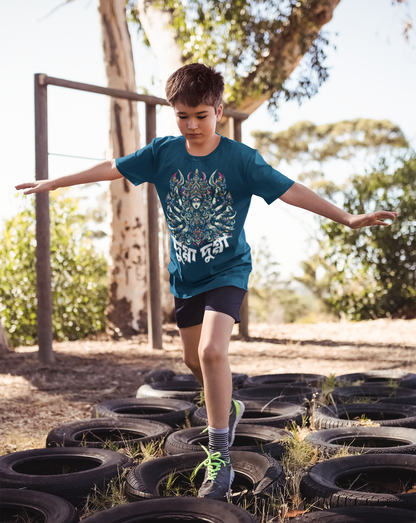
(43, 265)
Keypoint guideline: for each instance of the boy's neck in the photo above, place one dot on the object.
(205, 148)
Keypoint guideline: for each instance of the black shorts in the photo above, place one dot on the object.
(190, 311)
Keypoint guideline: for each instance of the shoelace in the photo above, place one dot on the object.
(213, 464)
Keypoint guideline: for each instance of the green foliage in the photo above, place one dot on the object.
(376, 268)
(243, 39)
(79, 275)
(305, 141)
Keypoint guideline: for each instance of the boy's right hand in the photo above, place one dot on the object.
(34, 187)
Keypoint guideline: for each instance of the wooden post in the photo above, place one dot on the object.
(43, 249)
(154, 306)
(243, 326)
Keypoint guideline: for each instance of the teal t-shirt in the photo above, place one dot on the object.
(205, 200)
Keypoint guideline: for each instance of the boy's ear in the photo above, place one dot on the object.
(219, 113)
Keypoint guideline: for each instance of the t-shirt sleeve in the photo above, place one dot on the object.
(138, 167)
(264, 181)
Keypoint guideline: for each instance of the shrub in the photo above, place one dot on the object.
(79, 275)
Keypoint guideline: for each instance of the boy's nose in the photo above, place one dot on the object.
(192, 124)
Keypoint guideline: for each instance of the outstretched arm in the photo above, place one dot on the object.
(101, 172)
(300, 196)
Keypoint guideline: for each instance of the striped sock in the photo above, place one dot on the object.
(218, 442)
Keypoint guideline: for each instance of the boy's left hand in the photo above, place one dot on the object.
(358, 221)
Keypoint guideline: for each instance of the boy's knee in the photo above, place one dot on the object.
(211, 353)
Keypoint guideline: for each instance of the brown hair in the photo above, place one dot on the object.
(195, 84)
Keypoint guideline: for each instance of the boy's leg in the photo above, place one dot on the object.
(190, 337)
(213, 356)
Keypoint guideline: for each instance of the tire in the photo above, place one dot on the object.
(249, 438)
(175, 389)
(359, 515)
(169, 411)
(175, 509)
(96, 433)
(159, 375)
(385, 414)
(277, 414)
(256, 475)
(368, 440)
(238, 378)
(374, 393)
(382, 377)
(289, 393)
(28, 505)
(327, 484)
(311, 380)
(70, 473)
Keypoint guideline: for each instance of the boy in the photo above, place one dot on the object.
(205, 183)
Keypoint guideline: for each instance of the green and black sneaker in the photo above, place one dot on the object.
(236, 413)
(219, 475)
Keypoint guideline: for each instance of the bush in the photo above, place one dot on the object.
(79, 275)
(376, 267)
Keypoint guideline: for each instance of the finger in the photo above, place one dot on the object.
(25, 185)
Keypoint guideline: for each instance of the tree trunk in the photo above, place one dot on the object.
(4, 344)
(126, 312)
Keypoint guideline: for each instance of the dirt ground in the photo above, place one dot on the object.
(34, 398)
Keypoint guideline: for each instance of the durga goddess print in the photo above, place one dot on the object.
(199, 209)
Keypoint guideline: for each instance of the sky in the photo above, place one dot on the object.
(372, 75)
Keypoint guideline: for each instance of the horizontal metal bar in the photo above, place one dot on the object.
(80, 157)
(44, 79)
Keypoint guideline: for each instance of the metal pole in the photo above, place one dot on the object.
(243, 326)
(43, 249)
(154, 306)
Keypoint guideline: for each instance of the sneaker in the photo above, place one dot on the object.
(219, 475)
(236, 413)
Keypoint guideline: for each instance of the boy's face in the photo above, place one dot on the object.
(197, 124)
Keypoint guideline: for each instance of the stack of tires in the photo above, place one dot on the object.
(372, 416)
(377, 482)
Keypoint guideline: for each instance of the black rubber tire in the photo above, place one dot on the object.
(237, 377)
(267, 440)
(290, 393)
(94, 433)
(29, 505)
(359, 515)
(174, 389)
(260, 474)
(159, 375)
(171, 412)
(375, 393)
(42, 470)
(326, 484)
(198, 510)
(381, 377)
(368, 440)
(277, 414)
(311, 380)
(385, 414)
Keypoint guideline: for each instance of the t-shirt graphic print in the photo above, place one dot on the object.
(199, 213)
(205, 200)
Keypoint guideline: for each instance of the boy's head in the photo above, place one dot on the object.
(195, 84)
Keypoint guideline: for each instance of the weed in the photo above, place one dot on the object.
(110, 496)
(201, 399)
(299, 456)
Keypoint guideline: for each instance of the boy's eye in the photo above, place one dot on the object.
(201, 117)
